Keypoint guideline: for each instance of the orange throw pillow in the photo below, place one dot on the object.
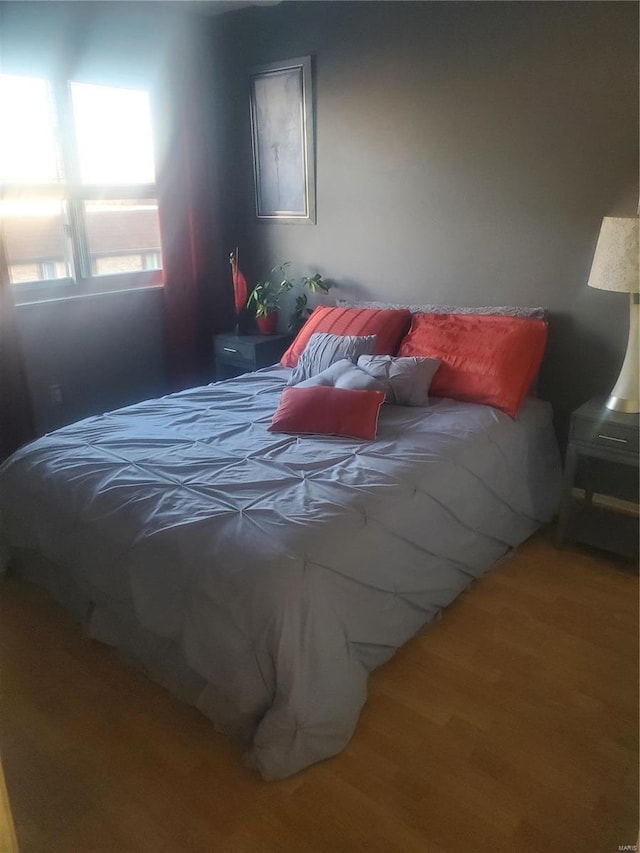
(485, 359)
(387, 324)
(325, 410)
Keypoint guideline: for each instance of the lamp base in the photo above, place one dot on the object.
(625, 396)
(619, 404)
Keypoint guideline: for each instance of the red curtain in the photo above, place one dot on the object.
(196, 266)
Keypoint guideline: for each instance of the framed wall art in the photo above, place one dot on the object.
(283, 141)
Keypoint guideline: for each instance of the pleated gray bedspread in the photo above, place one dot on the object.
(262, 576)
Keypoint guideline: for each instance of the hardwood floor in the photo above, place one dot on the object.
(8, 840)
(510, 725)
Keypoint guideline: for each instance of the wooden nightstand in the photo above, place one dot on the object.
(597, 433)
(236, 354)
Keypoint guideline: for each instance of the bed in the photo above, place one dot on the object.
(261, 576)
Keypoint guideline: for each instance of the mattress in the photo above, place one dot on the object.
(262, 576)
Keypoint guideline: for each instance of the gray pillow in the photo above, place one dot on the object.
(537, 313)
(406, 379)
(323, 349)
(344, 374)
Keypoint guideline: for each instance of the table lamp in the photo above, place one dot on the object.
(615, 267)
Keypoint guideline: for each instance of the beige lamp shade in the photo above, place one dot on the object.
(616, 261)
(616, 266)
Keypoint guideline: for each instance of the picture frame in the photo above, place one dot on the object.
(282, 135)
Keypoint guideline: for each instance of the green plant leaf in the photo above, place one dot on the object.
(265, 296)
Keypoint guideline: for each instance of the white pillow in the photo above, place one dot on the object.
(344, 374)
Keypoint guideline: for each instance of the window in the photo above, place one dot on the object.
(78, 203)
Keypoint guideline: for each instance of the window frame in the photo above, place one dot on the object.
(73, 193)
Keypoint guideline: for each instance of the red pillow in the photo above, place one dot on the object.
(387, 324)
(484, 358)
(323, 409)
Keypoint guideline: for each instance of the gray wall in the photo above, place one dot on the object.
(466, 153)
(101, 351)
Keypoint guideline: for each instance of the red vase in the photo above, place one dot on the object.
(268, 325)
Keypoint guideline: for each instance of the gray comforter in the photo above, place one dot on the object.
(263, 576)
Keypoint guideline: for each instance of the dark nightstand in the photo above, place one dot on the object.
(236, 354)
(597, 433)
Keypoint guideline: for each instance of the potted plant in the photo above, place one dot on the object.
(301, 310)
(265, 298)
(266, 295)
